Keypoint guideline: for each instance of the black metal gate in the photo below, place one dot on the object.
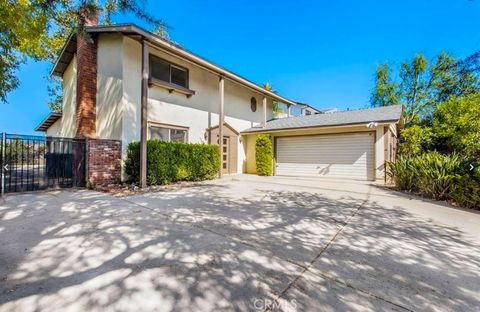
(30, 163)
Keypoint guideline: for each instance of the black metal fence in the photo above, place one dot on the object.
(30, 163)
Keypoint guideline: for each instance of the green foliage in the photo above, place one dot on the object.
(444, 177)
(466, 191)
(415, 140)
(264, 155)
(385, 91)
(403, 172)
(38, 30)
(456, 124)
(422, 85)
(453, 127)
(55, 93)
(437, 173)
(169, 162)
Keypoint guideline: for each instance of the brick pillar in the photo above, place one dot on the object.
(104, 162)
(86, 75)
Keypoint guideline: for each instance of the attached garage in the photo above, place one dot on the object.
(349, 155)
(340, 145)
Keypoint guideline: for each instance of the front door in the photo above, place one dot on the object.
(226, 155)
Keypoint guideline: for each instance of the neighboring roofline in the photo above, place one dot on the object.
(226, 125)
(263, 130)
(48, 121)
(184, 54)
(308, 105)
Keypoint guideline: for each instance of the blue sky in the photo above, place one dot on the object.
(320, 52)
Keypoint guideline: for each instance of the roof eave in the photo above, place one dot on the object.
(381, 122)
(179, 52)
(55, 71)
(48, 121)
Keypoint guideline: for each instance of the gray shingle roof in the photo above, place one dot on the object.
(361, 116)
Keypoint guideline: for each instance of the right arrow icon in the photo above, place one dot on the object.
(471, 167)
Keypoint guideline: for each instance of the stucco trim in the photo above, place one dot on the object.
(261, 131)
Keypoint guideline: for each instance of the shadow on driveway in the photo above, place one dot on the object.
(223, 247)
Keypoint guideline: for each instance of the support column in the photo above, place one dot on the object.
(143, 117)
(289, 112)
(221, 118)
(264, 112)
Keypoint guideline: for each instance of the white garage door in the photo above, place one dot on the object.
(333, 155)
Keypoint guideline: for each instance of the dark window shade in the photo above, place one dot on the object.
(164, 71)
(179, 76)
(159, 69)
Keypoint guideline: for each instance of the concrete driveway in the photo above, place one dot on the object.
(243, 243)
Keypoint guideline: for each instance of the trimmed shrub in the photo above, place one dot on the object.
(264, 155)
(169, 162)
(443, 177)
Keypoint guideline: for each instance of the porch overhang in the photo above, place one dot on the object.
(49, 121)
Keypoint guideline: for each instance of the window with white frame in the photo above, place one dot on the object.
(165, 71)
(168, 133)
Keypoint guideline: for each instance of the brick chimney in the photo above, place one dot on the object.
(86, 74)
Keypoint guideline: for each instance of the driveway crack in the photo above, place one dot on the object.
(310, 264)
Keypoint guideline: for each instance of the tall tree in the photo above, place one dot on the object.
(385, 91)
(422, 85)
(37, 29)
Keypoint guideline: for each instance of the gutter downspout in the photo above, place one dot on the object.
(264, 112)
(144, 115)
(221, 117)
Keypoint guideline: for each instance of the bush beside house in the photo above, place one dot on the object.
(169, 162)
(264, 155)
(436, 155)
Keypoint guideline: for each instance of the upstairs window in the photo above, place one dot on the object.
(165, 71)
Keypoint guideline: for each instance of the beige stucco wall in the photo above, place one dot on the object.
(119, 98)
(380, 148)
(65, 126)
(249, 145)
(109, 87)
(55, 128)
(198, 112)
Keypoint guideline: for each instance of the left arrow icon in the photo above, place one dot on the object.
(5, 167)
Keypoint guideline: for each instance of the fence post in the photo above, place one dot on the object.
(2, 170)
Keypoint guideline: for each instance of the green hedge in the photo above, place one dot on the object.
(442, 177)
(264, 155)
(169, 162)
